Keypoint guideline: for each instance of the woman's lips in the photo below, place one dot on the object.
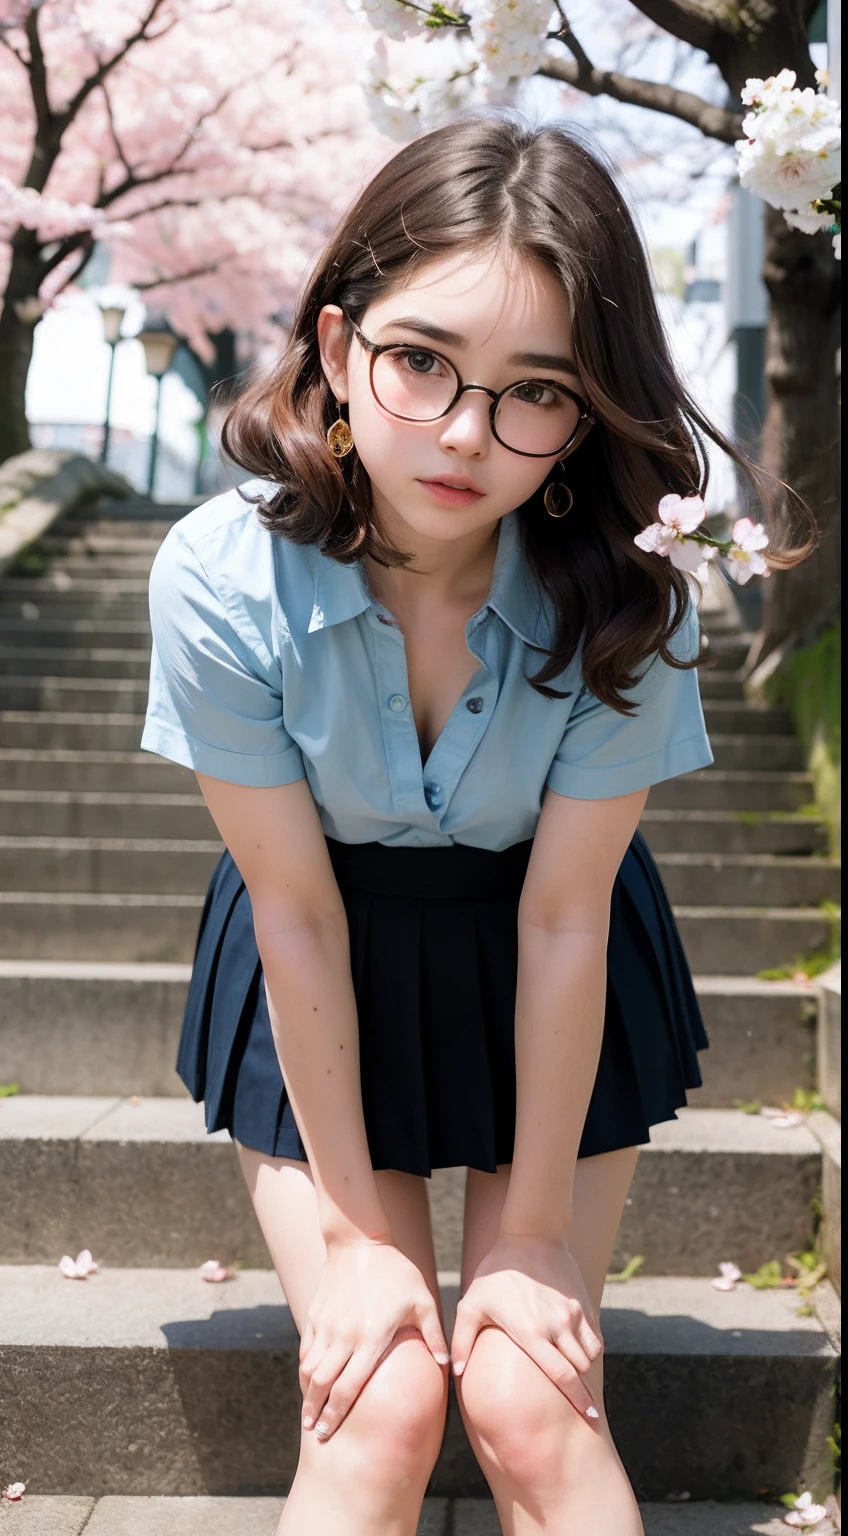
(451, 495)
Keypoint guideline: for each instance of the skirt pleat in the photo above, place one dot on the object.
(434, 956)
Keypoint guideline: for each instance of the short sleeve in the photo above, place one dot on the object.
(215, 701)
(603, 753)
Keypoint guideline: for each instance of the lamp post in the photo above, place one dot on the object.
(113, 319)
(159, 344)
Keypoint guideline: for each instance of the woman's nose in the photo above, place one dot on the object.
(467, 428)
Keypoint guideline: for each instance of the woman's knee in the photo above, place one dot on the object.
(399, 1416)
(523, 1423)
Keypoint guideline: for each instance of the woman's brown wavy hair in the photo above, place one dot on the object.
(483, 184)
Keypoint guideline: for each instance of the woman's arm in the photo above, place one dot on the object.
(277, 843)
(563, 924)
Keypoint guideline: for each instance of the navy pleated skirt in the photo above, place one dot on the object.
(434, 953)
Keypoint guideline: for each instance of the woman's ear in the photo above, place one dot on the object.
(332, 344)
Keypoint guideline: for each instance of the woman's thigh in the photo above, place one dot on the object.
(286, 1206)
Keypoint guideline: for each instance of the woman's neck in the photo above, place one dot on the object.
(442, 572)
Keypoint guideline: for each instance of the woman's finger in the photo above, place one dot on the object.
(345, 1390)
(306, 1339)
(466, 1328)
(321, 1383)
(569, 1345)
(561, 1372)
(427, 1320)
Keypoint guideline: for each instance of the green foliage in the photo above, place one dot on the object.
(767, 1277)
(628, 1271)
(8, 1089)
(808, 684)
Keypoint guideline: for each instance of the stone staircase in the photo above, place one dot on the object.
(146, 1400)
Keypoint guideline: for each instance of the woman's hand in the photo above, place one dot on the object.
(532, 1289)
(368, 1290)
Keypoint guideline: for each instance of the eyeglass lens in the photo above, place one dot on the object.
(531, 417)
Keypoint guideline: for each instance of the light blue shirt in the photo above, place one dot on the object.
(272, 661)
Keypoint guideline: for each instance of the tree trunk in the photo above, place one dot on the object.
(16, 335)
(800, 437)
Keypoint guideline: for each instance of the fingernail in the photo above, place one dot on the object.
(308, 1421)
(458, 1367)
(442, 1358)
(322, 1430)
(592, 1413)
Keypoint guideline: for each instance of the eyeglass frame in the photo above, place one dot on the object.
(375, 349)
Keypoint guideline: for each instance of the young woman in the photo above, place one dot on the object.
(426, 678)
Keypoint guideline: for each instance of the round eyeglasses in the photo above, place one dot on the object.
(538, 418)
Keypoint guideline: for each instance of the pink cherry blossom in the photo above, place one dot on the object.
(782, 1119)
(744, 559)
(79, 1268)
(728, 1275)
(214, 1271)
(209, 163)
(804, 1512)
(13, 1492)
(679, 516)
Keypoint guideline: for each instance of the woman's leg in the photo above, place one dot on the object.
(372, 1474)
(548, 1469)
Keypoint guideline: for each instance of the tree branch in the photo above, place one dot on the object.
(579, 72)
(105, 68)
(180, 277)
(692, 23)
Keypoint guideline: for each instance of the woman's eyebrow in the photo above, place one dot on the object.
(560, 362)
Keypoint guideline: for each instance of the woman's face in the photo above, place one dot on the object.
(498, 322)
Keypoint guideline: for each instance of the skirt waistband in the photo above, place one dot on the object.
(456, 871)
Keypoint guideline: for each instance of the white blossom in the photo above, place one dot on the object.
(804, 1512)
(509, 36)
(791, 155)
(744, 559)
(389, 17)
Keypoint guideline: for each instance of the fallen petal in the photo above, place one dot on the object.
(85, 1263)
(14, 1491)
(804, 1512)
(215, 1272)
(68, 1267)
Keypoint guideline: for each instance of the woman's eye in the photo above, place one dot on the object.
(418, 360)
(535, 394)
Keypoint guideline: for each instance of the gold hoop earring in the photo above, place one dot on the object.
(552, 501)
(339, 437)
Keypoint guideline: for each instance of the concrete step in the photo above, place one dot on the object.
(82, 589)
(76, 662)
(85, 563)
(143, 1183)
(80, 813)
(742, 941)
(757, 751)
(39, 730)
(112, 1028)
(90, 541)
(57, 813)
(720, 685)
(107, 864)
(183, 865)
(75, 695)
(732, 717)
(102, 607)
(81, 925)
(751, 832)
(697, 1386)
(127, 773)
(725, 652)
(828, 1133)
(740, 879)
(114, 1515)
(716, 789)
(52, 813)
(66, 634)
(68, 729)
(144, 521)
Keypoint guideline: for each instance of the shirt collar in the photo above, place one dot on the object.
(341, 592)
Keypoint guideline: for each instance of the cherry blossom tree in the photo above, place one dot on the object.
(431, 60)
(209, 144)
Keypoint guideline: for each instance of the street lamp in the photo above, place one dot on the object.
(160, 344)
(113, 319)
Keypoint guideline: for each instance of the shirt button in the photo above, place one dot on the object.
(475, 705)
(433, 795)
(397, 702)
